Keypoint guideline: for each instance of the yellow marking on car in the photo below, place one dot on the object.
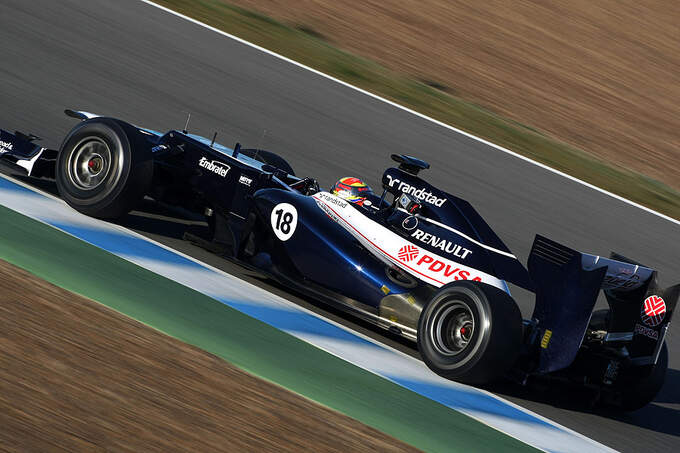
(546, 338)
(385, 289)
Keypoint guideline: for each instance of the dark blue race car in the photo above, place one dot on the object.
(414, 259)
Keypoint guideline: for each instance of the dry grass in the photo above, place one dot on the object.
(76, 376)
(602, 76)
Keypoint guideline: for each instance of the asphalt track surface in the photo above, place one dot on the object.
(131, 60)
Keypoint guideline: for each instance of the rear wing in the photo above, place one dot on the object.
(567, 284)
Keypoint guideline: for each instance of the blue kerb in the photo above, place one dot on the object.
(454, 398)
(116, 243)
(6, 184)
(122, 244)
(301, 322)
(468, 401)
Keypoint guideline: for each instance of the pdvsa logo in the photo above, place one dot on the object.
(435, 269)
(653, 311)
(408, 253)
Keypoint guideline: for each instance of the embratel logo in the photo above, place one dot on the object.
(653, 311)
(215, 166)
(408, 253)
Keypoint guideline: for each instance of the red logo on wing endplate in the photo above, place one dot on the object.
(653, 311)
(408, 253)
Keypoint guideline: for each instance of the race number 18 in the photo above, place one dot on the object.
(284, 220)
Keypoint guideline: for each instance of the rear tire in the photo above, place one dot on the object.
(104, 168)
(640, 385)
(637, 386)
(470, 332)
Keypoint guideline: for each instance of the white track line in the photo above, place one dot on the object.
(413, 112)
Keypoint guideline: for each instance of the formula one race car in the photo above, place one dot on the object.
(415, 260)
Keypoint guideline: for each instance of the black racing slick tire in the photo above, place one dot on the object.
(269, 158)
(636, 386)
(104, 168)
(470, 332)
(640, 385)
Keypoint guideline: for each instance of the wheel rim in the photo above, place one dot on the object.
(452, 328)
(89, 164)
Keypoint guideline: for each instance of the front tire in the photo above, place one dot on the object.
(104, 168)
(470, 332)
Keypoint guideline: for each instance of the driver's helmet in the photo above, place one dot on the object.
(352, 189)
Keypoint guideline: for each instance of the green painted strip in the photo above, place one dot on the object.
(248, 343)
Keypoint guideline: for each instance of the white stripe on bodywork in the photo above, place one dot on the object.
(28, 164)
(386, 245)
(461, 234)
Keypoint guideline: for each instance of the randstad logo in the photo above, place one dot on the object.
(421, 194)
(216, 167)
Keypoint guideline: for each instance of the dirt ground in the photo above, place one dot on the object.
(76, 376)
(603, 76)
